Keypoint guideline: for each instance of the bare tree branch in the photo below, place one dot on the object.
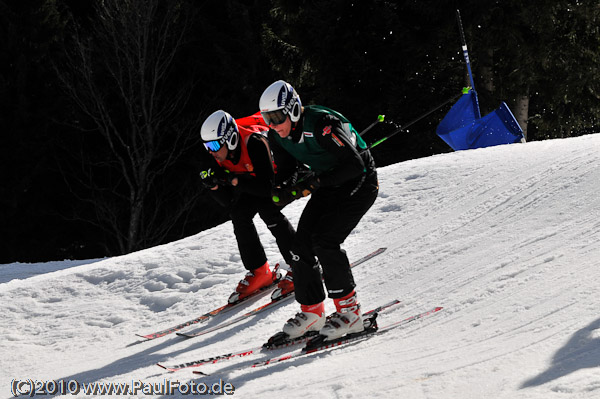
(120, 74)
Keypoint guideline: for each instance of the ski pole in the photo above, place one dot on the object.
(380, 118)
(464, 47)
(401, 128)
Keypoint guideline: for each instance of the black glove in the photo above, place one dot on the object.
(305, 187)
(209, 180)
(228, 177)
(281, 196)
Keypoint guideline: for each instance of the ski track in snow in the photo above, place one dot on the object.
(504, 238)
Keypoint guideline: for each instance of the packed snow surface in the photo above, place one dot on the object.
(506, 239)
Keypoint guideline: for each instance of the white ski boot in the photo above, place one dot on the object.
(311, 318)
(346, 320)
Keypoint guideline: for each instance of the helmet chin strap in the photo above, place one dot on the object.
(235, 154)
(295, 130)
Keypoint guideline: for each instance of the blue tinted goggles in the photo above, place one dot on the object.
(213, 146)
(276, 117)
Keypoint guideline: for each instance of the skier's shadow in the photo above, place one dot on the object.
(250, 373)
(580, 352)
(254, 373)
(153, 355)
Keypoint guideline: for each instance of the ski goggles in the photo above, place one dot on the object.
(213, 146)
(274, 118)
(229, 136)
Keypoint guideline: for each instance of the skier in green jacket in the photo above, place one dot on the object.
(343, 186)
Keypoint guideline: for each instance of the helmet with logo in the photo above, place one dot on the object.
(219, 129)
(278, 101)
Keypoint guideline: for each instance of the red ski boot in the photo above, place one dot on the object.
(254, 280)
(285, 286)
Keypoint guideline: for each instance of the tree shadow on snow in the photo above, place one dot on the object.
(582, 351)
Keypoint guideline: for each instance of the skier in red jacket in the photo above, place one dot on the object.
(242, 181)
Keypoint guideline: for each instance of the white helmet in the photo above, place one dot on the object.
(279, 100)
(219, 128)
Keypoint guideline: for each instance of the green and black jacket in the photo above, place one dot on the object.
(326, 141)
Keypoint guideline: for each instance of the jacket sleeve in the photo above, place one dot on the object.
(332, 137)
(260, 184)
(223, 194)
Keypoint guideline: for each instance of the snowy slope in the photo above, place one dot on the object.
(504, 238)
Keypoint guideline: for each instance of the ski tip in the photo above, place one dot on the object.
(438, 308)
(146, 337)
(166, 368)
(199, 372)
(184, 335)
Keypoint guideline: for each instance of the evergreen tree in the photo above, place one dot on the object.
(545, 53)
(366, 58)
(568, 93)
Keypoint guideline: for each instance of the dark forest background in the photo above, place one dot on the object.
(101, 101)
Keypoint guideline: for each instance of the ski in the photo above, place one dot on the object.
(227, 356)
(209, 315)
(268, 305)
(263, 348)
(319, 345)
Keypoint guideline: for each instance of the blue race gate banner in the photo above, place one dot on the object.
(463, 127)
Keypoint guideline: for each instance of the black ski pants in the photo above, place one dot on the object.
(328, 218)
(251, 250)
